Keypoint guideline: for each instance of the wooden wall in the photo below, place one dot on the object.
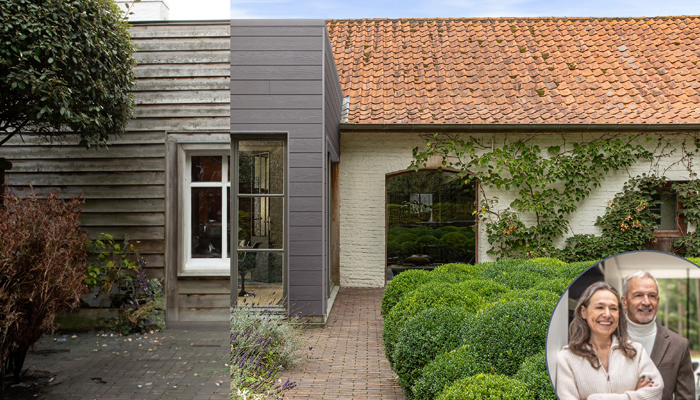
(277, 85)
(131, 188)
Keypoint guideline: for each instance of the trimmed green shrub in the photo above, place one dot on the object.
(427, 240)
(533, 373)
(402, 284)
(557, 286)
(426, 296)
(519, 279)
(507, 332)
(406, 237)
(543, 296)
(571, 271)
(468, 270)
(487, 387)
(447, 368)
(423, 337)
(488, 290)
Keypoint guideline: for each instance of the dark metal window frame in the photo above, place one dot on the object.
(236, 138)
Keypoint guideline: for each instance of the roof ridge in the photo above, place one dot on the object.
(661, 17)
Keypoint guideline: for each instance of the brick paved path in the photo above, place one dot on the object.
(347, 359)
(189, 361)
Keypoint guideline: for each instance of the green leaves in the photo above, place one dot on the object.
(56, 64)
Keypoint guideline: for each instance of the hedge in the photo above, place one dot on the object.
(482, 386)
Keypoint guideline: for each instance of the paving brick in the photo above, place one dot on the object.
(347, 357)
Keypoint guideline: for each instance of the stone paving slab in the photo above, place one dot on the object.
(185, 361)
(346, 360)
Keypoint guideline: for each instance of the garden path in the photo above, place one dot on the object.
(347, 357)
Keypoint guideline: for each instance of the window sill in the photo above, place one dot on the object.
(204, 273)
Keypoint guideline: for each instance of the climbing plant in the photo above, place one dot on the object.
(549, 184)
(689, 197)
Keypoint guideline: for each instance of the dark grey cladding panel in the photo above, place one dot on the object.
(304, 307)
(295, 87)
(304, 188)
(306, 263)
(307, 276)
(308, 292)
(305, 218)
(305, 204)
(309, 160)
(305, 175)
(278, 84)
(281, 58)
(304, 248)
(278, 116)
(271, 43)
(270, 101)
(276, 72)
(302, 145)
(333, 98)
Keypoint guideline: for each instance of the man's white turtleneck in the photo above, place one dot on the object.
(645, 334)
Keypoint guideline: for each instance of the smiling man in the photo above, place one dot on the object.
(669, 351)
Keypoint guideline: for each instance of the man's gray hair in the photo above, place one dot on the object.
(636, 275)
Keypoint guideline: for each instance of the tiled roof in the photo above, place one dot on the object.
(519, 70)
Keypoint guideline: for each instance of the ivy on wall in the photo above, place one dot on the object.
(550, 184)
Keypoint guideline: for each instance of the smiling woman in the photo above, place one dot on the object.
(600, 360)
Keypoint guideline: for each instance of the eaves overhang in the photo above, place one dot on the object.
(522, 128)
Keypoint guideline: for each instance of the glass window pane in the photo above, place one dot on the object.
(260, 274)
(228, 221)
(261, 167)
(260, 222)
(668, 210)
(206, 222)
(206, 169)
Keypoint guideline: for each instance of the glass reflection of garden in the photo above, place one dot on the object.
(430, 221)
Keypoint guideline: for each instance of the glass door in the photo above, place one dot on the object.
(258, 266)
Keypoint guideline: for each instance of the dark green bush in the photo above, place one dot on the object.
(507, 332)
(408, 248)
(423, 337)
(427, 240)
(426, 296)
(543, 296)
(519, 279)
(571, 271)
(488, 290)
(469, 271)
(486, 387)
(558, 285)
(447, 368)
(533, 373)
(407, 237)
(402, 284)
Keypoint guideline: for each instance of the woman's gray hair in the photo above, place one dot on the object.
(636, 275)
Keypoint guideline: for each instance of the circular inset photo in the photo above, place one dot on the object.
(628, 326)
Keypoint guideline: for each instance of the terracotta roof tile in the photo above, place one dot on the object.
(519, 69)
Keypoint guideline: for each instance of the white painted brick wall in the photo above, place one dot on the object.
(367, 158)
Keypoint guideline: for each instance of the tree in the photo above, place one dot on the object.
(65, 66)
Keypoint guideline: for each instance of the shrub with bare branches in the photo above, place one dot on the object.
(42, 268)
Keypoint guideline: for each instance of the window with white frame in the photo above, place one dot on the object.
(207, 222)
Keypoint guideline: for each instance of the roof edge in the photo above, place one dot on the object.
(515, 127)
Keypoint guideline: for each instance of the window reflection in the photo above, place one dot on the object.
(206, 169)
(206, 222)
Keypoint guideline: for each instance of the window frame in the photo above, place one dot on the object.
(211, 267)
(236, 138)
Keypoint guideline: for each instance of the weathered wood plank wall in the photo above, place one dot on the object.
(183, 87)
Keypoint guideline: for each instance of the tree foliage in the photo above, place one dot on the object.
(65, 65)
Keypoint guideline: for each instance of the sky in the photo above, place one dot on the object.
(344, 9)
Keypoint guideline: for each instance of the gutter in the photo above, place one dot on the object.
(523, 128)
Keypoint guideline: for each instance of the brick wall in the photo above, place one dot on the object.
(367, 157)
